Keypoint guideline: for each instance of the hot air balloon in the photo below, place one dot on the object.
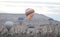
(8, 25)
(50, 21)
(20, 19)
(29, 13)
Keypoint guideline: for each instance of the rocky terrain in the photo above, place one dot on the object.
(40, 24)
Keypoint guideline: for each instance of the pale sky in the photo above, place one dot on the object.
(46, 7)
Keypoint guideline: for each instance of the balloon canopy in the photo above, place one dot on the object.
(8, 24)
(20, 18)
(29, 13)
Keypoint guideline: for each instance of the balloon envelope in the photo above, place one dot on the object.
(8, 24)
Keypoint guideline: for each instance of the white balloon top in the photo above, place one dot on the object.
(9, 23)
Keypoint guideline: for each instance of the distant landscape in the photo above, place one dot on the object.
(41, 26)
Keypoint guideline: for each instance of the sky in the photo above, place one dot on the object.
(50, 8)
